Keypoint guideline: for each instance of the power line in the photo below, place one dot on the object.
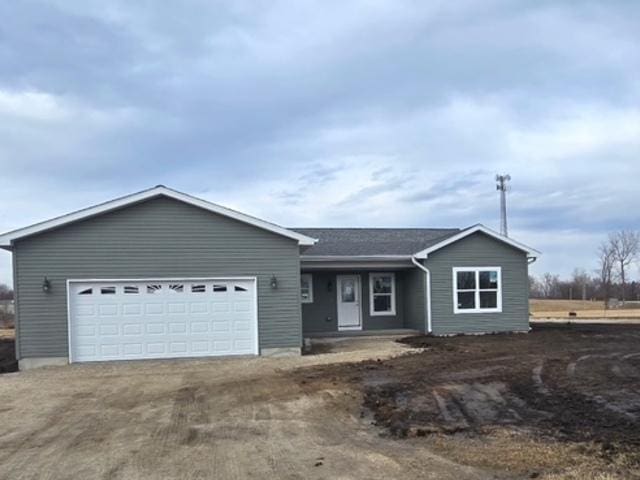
(502, 187)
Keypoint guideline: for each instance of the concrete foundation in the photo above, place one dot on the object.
(281, 352)
(37, 362)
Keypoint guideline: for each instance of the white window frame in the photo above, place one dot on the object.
(391, 312)
(477, 290)
(309, 276)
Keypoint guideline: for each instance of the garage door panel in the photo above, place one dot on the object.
(109, 329)
(161, 319)
(132, 349)
(178, 327)
(86, 330)
(177, 308)
(154, 309)
(132, 329)
(156, 348)
(85, 311)
(110, 350)
(131, 309)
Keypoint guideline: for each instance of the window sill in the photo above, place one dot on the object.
(382, 314)
(478, 310)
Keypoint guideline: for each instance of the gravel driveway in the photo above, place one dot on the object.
(227, 419)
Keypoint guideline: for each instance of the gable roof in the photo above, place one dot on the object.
(531, 252)
(373, 242)
(392, 243)
(7, 238)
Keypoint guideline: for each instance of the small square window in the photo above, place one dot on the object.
(488, 299)
(466, 280)
(466, 300)
(198, 288)
(131, 290)
(108, 290)
(219, 288)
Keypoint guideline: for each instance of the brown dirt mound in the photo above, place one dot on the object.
(577, 383)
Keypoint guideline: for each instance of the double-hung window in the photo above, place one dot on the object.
(382, 294)
(306, 288)
(477, 289)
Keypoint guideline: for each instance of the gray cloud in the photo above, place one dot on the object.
(329, 113)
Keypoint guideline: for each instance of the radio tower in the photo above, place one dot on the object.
(502, 187)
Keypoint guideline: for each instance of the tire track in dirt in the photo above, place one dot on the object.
(190, 409)
(536, 376)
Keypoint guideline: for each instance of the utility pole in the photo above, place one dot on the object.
(502, 187)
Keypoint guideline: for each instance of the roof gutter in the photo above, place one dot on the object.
(427, 275)
(353, 258)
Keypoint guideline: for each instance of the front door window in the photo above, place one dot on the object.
(348, 291)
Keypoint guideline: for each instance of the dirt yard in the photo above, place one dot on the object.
(584, 309)
(561, 402)
(224, 419)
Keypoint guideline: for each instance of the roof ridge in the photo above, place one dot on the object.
(376, 228)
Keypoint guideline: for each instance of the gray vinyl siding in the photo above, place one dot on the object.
(16, 314)
(321, 316)
(415, 300)
(479, 250)
(160, 237)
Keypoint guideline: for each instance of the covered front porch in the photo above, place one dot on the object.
(362, 300)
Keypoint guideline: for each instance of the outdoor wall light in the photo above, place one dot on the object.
(329, 286)
(46, 285)
(274, 282)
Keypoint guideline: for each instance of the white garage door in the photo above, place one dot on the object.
(123, 320)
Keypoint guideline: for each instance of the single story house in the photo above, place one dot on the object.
(162, 274)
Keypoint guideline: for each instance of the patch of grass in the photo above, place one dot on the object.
(518, 453)
(583, 309)
(8, 333)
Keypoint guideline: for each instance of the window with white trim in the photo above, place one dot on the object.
(477, 289)
(306, 288)
(382, 294)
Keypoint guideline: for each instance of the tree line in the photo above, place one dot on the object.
(6, 293)
(616, 258)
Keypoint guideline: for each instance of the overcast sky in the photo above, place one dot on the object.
(330, 113)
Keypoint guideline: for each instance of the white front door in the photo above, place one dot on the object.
(349, 310)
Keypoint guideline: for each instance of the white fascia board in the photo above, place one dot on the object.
(353, 258)
(531, 252)
(7, 238)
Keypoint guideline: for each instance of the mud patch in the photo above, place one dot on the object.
(579, 385)
(8, 362)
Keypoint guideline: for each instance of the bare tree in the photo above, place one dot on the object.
(535, 289)
(625, 245)
(550, 285)
(579, 282)
(606, 260)
(5, 292)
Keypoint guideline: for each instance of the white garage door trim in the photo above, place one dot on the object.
(71, 281)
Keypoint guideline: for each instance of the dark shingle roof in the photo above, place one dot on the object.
(373, 241)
